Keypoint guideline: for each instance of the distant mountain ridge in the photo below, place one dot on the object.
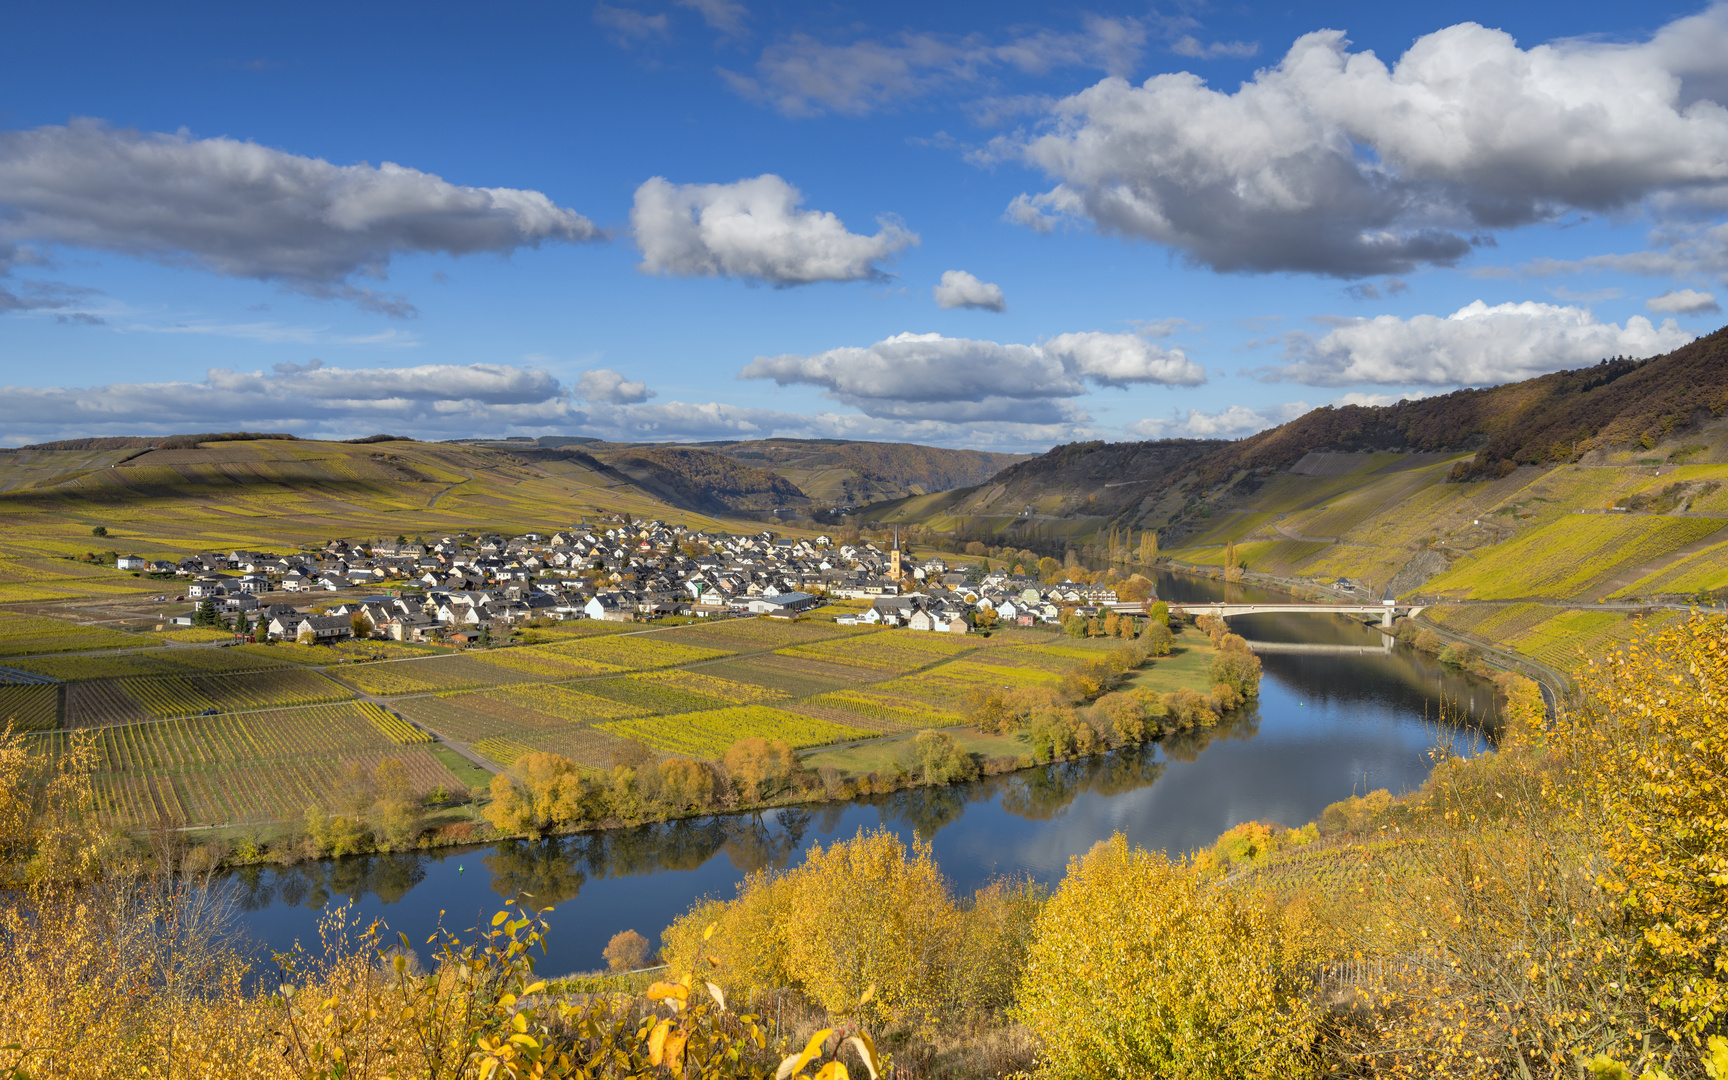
(822, 472)
(1081, 489)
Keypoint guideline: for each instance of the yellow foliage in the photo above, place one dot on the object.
(1140, 969)
(1653, 753)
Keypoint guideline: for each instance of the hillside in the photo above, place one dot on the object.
(704, 480)
(274, 493)
(1070, 493)
(1545, 514)
(835, 472)
(830, 472)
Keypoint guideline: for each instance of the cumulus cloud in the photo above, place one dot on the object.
(932, 377)
(802, 76)
(1234, 422)
(961, 290)
(1331, 162)
(449, 401)
(1477, 345)
(754, 229)
(606, 385)
(1683, 302)
(433, 398)
(244, 210)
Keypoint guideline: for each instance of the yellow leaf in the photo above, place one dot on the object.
(794, 1062)
(832, 1071)
(867, 1053)
(868, 994)
(662, 990)
(717, 994)
(500, 917)
(657, 1041)
(708, 933)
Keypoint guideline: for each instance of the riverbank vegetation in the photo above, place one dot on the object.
(1552, 907)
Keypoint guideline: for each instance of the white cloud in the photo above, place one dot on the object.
(754, 229)
(726, 16)
(628, 26)
(606, 385)
(1333, 163)
(244, 210)
(802, 76)
(1234, 422)
(1477, 345)
(448, 401)
(961, 290)
(931, 377)
(1683, 302)
(432, 398)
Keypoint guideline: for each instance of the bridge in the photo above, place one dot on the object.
(1385, 612)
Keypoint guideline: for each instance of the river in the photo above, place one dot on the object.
(1326, 725)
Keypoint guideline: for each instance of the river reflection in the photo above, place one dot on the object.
(1325, 726)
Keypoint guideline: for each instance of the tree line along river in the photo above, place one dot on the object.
(1327, 725)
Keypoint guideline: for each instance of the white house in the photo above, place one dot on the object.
(131, 562)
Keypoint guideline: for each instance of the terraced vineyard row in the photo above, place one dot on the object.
(118, 701)
(709, 734)
(30, 707)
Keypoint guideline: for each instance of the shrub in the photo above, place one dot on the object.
(1138, 969)
(1238, 669)
(627, 951)
(1458, 655)
(941, 760)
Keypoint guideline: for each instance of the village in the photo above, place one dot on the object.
(467, 588)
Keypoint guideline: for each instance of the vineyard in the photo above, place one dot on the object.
(709, 734)
(888, 650)
(640, 651)
(30, 706)
(754, 635)
(22, 635)
(236, 769)
(1566, 557)
(437, 675)
(112, 701)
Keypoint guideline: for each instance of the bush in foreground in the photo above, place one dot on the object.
(1138, 968)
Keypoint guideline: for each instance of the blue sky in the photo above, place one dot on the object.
(709, 219)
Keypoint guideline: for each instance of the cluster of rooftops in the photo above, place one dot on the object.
(626, 570)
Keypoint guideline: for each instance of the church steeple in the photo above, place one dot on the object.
(894, 557)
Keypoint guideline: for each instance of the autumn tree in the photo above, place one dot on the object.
(1138, 968)
(760, 767)
(627, 951)
(940, 759)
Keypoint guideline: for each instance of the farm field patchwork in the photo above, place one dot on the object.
(258, 767)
